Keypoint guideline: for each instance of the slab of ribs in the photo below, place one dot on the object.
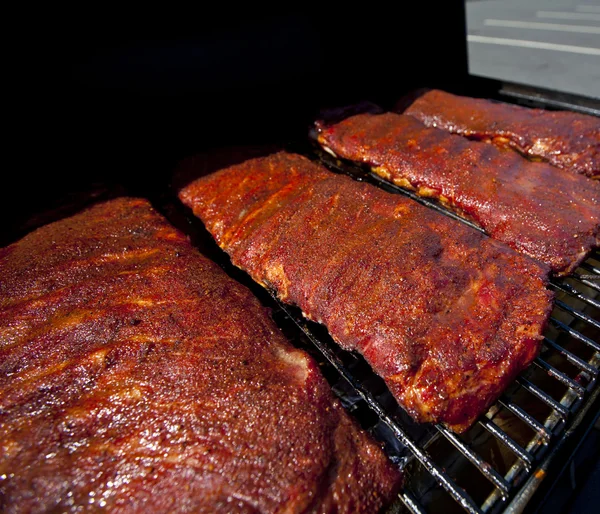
(565, 139)
(533, 207)
(135, 376)
(446, 315)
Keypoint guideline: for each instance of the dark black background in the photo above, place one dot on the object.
(104, 95)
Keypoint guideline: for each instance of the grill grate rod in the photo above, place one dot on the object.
(516, 448)
(577, 335)
(443, 479)
(560, 409)
(571, 357)
(577, 314)
(577, 388)
(591, 284)
(589, 267)
(411, 503)
(488, 471)
(570, 290)
(525, 417)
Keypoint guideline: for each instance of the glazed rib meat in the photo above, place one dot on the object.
(446, 315)
(137, 377)
(565, 139)
(534, 208)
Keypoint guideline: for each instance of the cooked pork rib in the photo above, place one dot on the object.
(535, 208)
(136, 376)
(447, 316)
(565, 139)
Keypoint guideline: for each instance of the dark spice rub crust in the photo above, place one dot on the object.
(565, 139)
(535, 208)
(136, 376)
(447, 316)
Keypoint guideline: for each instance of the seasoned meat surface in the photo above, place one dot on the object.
(135, 376)
(446, 315)
(535, 208)
(565, 139)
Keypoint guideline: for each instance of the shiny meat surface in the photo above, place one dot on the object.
(535, 208)
(135, 376)
(446, 315)
(565, 139)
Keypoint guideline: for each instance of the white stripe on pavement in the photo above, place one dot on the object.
(584, 29)
(568, 15)
(588, 8)
(471, 38)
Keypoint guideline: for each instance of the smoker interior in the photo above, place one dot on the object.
(113, 112)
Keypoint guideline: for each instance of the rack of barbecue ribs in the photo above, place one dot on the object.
(446, 315)
(533, 207)
(136, 376)
(564, 139)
